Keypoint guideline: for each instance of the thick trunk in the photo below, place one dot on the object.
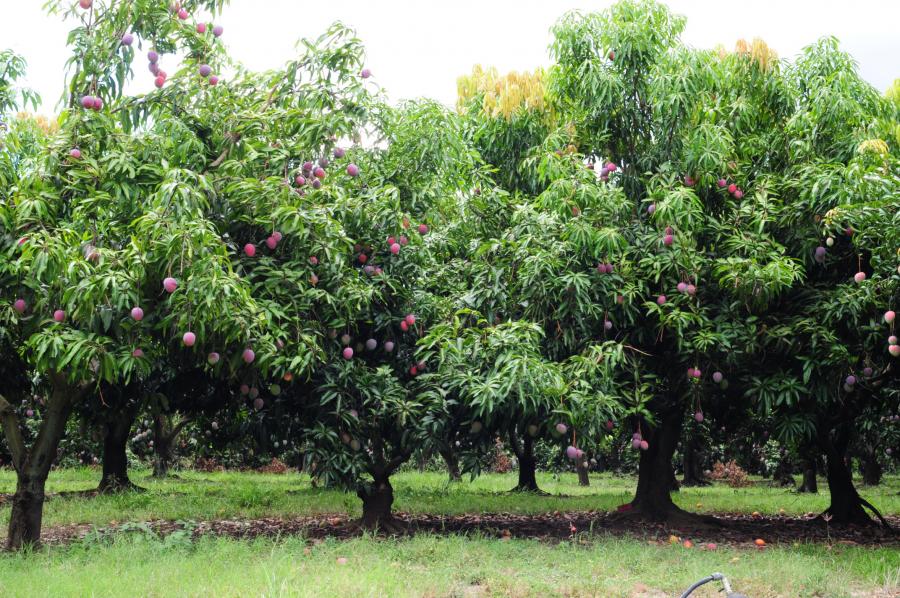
(871, 470)
(27, 512)
(810, 484)
(809, 464)
(783, 474)
(527, 467)
(582, 468)
(32, 471)
(693, 466)
(377, 500)
(161, 460)
(847, 507)
(652, 499)
(452, 462)
(115, 459)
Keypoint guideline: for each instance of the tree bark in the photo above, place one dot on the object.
(452, 462)
(115, 459)
(847, 506)
(378, 499)
(162, 445)
(27, 512)
(424, 456)
(810, 483)
(810, 469)
(674, 484)
(33, 466)
(871, 469)
(582, 469)
(164, 435)
(693, 467)
(527, 463)
(783, 474)
(652, 499)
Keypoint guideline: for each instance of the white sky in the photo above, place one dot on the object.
(419, 47)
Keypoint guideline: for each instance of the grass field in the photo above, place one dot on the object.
(201, 495)
(142, 564)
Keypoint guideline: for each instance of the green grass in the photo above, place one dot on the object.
(436, 566)
(199, 495)
(140, 564)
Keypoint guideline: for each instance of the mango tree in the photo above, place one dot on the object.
(690, 138)
(118, 263)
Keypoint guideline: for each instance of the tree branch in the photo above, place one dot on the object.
(514, 443)
(397, 461)
(218, 161)
(180, 426)
(63, 397)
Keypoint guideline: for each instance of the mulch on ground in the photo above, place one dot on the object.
(736, 530)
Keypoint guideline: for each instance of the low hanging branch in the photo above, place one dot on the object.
(232, 138)
(235, 137)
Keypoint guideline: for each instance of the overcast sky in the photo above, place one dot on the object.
(419, 47)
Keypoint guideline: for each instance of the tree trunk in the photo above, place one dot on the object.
(33, 467)
(871, 469)
(674, 484)
(810, 484)
(693, 467)
(162, 445)
(424, 456)
(652, 499)
(527, 465)
(115, 459)
(847, 506)
(582, 468)
(27, 512)
(810, 469)
(452, 462)
(783, 474)
(377, 501)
